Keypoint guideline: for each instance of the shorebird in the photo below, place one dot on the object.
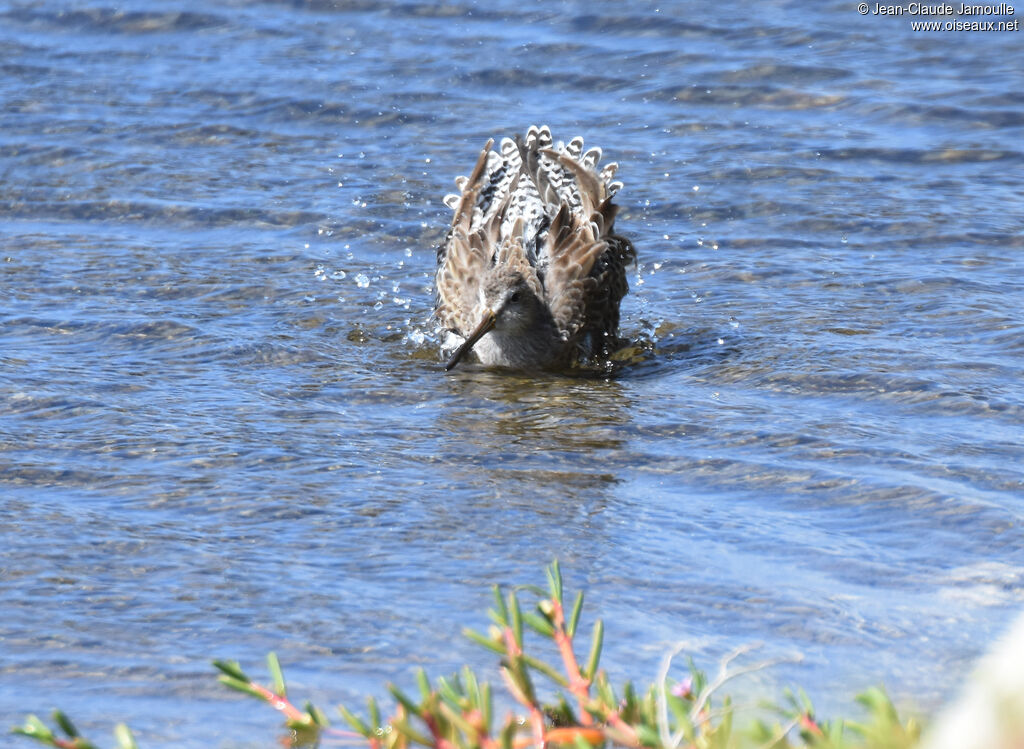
(531, 272)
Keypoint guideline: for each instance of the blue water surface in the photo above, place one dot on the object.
(224, 426)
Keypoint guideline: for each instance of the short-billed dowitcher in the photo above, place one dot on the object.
(531, 273)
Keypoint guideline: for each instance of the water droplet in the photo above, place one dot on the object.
(362, 281)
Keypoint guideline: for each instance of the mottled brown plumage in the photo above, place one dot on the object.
(531, 273)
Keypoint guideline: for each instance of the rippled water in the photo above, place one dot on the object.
(224, 427)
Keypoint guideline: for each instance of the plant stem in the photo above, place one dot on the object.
(282, 704)
(578, 685)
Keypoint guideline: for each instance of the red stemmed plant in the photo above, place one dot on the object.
(586, 712)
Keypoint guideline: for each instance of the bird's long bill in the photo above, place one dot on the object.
(485, 325)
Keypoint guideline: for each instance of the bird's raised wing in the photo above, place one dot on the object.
(544, 210)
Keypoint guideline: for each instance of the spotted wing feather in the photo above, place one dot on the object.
(542, 208)
(463, 258)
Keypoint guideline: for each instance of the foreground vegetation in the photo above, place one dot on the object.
(586, 711)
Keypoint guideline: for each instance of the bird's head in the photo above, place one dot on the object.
(507, 304)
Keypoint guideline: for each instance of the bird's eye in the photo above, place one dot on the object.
(514, 297)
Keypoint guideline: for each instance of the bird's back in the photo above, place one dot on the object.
(544, 210)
